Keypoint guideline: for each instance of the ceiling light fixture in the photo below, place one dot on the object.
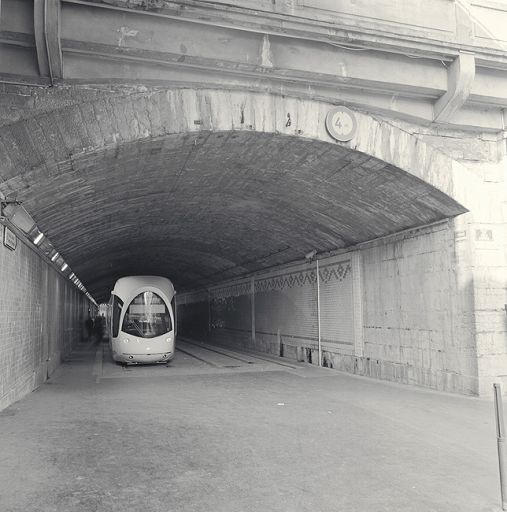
(38, 238)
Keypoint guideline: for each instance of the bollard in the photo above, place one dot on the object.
(500, 441)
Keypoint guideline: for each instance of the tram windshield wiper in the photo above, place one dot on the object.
(134, 324)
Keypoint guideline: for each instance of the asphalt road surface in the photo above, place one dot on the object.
(223, 431)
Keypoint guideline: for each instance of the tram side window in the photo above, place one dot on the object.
(117, 305)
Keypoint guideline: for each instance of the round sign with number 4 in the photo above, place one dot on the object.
(341, 124)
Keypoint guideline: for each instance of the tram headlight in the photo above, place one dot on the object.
(169, 340)
(125, 340)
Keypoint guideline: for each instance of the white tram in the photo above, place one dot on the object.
(142, 325)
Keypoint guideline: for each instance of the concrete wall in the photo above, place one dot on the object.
(480, 255)
(41, 318)
(411, 327)
(193, 315)
(404, 320)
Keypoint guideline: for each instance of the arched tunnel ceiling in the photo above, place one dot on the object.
(203, 207)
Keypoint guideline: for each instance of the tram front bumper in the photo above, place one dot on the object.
(144, 358)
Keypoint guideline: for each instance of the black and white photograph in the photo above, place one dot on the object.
(253, 255)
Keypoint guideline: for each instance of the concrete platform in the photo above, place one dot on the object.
(229, 432)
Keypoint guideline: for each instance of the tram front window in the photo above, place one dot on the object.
(147, 316)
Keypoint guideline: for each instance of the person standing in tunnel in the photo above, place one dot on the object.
(97, 328)
(89, 326)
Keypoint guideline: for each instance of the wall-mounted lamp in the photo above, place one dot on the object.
(12, 211)
(310, 255)
(15, 213)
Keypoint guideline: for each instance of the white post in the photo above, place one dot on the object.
(318, 313)
(500, 439)
(252, 307)
(357, 298)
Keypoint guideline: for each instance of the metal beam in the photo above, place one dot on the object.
(40, 40)
(460, 77)
(47, 38)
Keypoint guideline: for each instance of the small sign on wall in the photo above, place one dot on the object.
(341, 124)
(10, 238)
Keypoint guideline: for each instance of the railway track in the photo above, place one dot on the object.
(220, 357)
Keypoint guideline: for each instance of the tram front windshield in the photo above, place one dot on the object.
(147, 316)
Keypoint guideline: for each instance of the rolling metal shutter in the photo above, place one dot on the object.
(336, 306)
(286, 303)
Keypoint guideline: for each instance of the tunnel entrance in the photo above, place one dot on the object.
(209, 206)
(202, 186)
(216, 191)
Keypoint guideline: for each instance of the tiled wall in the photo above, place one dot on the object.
(41, 318)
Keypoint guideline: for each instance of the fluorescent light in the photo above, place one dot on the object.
(64, 267)
(38, 238)
(55, 255)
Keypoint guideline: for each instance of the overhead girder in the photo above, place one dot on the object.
(447, 68)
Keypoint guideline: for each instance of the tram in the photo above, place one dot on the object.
(142, 323)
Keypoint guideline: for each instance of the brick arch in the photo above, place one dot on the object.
(95, 173)
(54, 138)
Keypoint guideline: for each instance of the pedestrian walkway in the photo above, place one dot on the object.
(244, 434)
